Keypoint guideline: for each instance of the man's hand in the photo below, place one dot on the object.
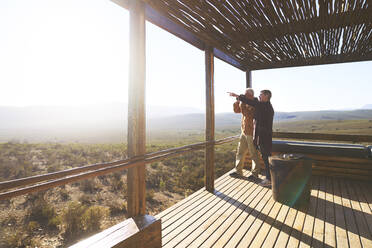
(232, 94)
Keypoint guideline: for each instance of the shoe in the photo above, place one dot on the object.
(265, 183)
(255, 175)
(236, 174)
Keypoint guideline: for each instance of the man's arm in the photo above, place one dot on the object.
(253, 102)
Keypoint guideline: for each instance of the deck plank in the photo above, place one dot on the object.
(205, 198)
(243, 223)
(254, 229)
(366, 191)
(351, 227)
(266, 226)
(286, 229)
(276, 227)
(186, 219)
(217, 214)
(221, 222)
(364, 234)
(367, 213)
(318, 233)
(307, 231)
(329, 227)
(179, 206)
(341, 233)
(243, 214)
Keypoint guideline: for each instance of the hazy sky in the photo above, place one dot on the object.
(67, 52)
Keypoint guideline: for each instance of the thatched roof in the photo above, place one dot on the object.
(254, 34)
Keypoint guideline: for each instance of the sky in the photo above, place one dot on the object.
(76, 52)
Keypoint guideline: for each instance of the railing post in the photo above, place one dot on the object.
(248, 77)
(209, 130)
(136, 109)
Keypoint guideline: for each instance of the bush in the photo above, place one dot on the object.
(93, 217)
(64, 194)
(88, 186)
(73, 220)
(79, 219)
(150, 195)
(43, 213)
(10, 219)
(117, 207)
(117, 183)
(32, 226)
(86, 199)
(14, 240)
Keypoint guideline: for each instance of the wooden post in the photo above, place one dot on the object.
(209, 130)
(248, 77)
(136, 109)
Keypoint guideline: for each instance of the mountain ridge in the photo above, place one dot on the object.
(109, 121)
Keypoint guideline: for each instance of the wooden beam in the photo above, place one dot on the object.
(165, 23)
(209, 129)
(324, 60)
(314, 24)
(228, 59)
(136, 108)
(248, 77)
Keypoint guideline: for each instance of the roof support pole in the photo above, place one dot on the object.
(209, 129)
(136, 108)
(248, 77)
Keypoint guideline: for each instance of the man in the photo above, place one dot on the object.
(246, 138)
(263, 128)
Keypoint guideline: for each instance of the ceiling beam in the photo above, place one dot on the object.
(315, 24)
(165, 23)
(330, 59)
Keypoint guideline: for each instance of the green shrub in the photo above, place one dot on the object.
(86, 199)
(117, 207)
(150, 195)
(43, 213)
(64, 194)
(14, 240)
(54, 222)
(32, 226)
(72, 216)
(88, 186)
(93, 217)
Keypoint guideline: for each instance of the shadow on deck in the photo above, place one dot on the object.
(243, 214)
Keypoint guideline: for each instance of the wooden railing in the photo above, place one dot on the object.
(55, 179)
(358, 168)
(50, 180)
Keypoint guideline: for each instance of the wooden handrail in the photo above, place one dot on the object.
(96, 170)
(88, 171)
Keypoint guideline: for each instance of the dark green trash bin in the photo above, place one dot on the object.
(291, 179)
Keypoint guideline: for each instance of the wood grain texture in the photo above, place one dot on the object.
(210, 123)
(244, 214)
(136, 108)
(140, 231)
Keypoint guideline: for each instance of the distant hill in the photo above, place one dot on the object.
(359, 114)
(109, 122)
(367, 106)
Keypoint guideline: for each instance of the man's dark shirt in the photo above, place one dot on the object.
(264, 116)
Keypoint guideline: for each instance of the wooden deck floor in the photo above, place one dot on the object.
(243, 214)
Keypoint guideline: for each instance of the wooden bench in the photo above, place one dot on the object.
(139, 232)
(330, 159)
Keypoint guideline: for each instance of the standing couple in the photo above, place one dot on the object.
(257, 124)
